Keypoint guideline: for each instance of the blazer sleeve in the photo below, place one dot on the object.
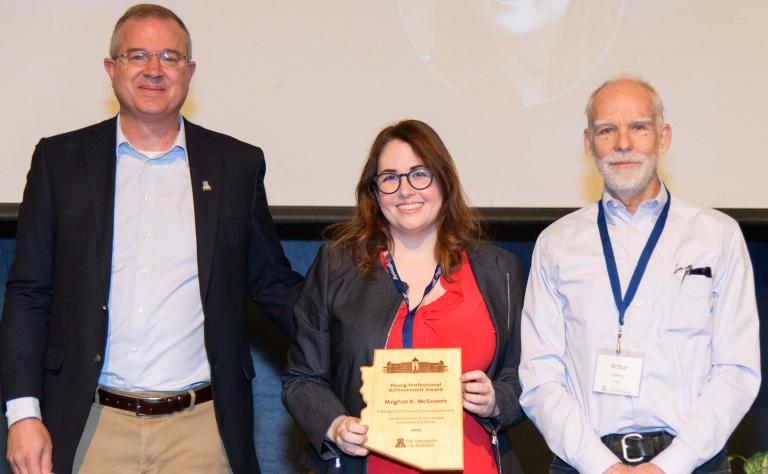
(29, 288)
(506, 382)
(307, 380)
(272, 283)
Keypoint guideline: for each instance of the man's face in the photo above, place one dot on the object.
(153, 91)
(626, 139)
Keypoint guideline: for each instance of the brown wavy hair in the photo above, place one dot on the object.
(367, 233)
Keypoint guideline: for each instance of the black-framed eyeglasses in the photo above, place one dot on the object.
(389, 183)
(140, 57)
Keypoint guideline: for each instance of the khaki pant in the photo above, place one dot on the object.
(118, 441)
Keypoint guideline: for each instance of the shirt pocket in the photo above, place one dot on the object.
(690, 309)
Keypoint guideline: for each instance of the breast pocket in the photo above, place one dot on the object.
(691, 308)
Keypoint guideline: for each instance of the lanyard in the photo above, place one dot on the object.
(402, 287)
(610, 262)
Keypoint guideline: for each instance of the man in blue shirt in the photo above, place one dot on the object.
(640, 348)
(139, 239)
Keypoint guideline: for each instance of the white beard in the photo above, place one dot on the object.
(627, 182)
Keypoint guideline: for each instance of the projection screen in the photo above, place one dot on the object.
(503, 82)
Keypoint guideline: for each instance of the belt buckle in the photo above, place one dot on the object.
(625, 447)
(177, 401)
(139, 406)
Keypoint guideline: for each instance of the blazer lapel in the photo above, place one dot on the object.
(100, 163)
(491, 282)
(205, 173)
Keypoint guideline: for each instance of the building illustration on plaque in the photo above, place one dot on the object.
(415, 366)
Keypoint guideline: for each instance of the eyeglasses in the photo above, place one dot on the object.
(140, 57)
(389, 183)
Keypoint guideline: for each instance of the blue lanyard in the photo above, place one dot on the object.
(610, 261)
(402, 287)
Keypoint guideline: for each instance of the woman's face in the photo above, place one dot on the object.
(410, 212)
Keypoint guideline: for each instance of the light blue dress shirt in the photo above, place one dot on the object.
(155, 335)
(699, 335)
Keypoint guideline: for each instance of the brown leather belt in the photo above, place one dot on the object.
(155, 406)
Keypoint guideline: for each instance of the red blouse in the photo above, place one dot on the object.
(458, 318)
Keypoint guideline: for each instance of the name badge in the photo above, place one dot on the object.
(618, 374)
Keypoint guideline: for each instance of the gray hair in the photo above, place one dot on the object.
(658, 105)
(147, 10)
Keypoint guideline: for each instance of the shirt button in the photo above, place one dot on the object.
(143, 271)
(97, 358)
(140, 310)
(147, 197)
(104, 308)
(639, 304)
(146, 235)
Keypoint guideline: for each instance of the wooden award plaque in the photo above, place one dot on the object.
(414, 407)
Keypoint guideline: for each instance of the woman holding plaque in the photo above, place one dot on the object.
(408, 270)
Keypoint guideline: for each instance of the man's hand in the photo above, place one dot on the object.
(349, 435)
(29, 447)
(619, 468)
(648, 468)
(644, 468)
(478, 393)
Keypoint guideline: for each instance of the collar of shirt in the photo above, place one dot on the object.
(177, 150)
(651, 208)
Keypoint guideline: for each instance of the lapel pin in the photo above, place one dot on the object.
(207, 186)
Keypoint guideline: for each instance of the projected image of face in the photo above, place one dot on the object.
(539, 48)
(521, 17)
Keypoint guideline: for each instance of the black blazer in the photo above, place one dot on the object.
(342, 316)
(54, 328)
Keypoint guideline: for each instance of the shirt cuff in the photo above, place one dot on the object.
(20, 408)
(676, 458)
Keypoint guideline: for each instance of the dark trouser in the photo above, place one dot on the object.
(717, 465)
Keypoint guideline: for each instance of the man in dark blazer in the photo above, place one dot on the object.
(138, 241)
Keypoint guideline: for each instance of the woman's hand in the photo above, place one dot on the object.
(349, 435)
(478, 393)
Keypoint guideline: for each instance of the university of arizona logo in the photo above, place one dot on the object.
(400, 443)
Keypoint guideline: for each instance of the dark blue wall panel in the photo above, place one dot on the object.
(7, 248)
(279, 442)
